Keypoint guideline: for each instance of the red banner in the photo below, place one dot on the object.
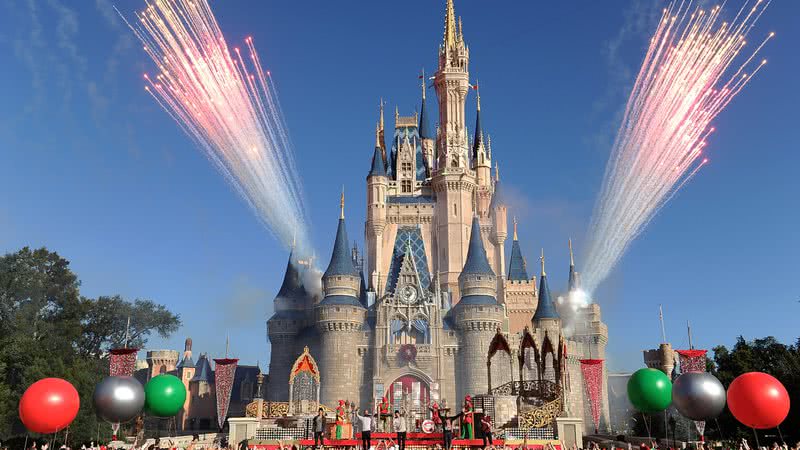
(592, 370)
(694, 361)
(224, 371)
(122, 362)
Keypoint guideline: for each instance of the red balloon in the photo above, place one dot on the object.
(49, 405)
(758, 400)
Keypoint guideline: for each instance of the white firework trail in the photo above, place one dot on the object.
(228, 105)
(688, 76)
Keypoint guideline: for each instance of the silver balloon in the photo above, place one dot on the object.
(698, 396)
(118, 399)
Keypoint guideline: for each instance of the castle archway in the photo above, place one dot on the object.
(410, 393)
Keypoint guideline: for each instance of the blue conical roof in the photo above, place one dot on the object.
(516, 267)
(572, 284)
(292, 287)
(341, 262)
(476, 263)
(546, 308)
(203, 372)
(378, 164)
(424, 126)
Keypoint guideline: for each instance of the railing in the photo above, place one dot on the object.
(529, 433)
(278, 433)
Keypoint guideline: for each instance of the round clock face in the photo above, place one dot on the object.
(408, 294)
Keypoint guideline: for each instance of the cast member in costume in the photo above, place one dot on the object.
(437, 419)
(385, 415)
(468, 419)
(341, 419)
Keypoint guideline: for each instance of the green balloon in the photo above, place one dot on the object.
(650, 390)
(164, 395)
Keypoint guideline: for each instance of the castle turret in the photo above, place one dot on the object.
(186, 371)
(377, 185)
(573, 284)
(499, 215)
(339, 319)
(290, 306)
(477, 316)
(519, 290)
(546, 316)
(161, 361)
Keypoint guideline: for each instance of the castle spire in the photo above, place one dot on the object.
(573, 282)
(571, 257)
(450, 37)
(517, 269)
(422, 84)
(341, 263)
(424, 126)
(546, 309)
(477, 143)
(476, 262)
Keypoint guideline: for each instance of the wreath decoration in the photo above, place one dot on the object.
(408, 352)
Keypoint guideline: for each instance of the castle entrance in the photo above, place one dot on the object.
(411, 394)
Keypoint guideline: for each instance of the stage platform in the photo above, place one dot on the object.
(413, 441)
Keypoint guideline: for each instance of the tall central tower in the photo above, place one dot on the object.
(453, 180)
(452, 85)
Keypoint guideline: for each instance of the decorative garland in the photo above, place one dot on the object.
(592, 370)
(408, 352)
(122, 362)
(223, 378)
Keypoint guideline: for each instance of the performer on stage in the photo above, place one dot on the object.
(486, 427)
(437, 419)
(383, 411)
(318, 425)
(447, 430)
(341, 419)
(366, 429)
(467, 422)
(399, 425)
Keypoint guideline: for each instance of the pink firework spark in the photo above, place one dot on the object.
(688, 76)
(228, 105)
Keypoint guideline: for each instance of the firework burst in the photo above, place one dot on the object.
(689, 75)
(228, 105)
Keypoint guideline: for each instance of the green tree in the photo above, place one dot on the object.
(48, 330)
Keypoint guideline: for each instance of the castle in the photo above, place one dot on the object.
(413, 318)
(199, 412)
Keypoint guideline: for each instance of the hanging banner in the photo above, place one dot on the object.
(224, 371)
(592, 370)
(694, 361)
(122, 362)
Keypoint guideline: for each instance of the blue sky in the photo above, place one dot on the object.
(92, 168)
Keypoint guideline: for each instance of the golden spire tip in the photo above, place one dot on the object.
(515, 227)
(542, 259)
(341, 204)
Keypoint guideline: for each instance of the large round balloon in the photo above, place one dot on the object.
(164, 395)
(758, 400)
(118, 399)
(49, 405)
(698, 396)
(649, 390)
